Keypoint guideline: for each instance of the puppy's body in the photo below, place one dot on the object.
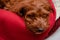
(34, 12)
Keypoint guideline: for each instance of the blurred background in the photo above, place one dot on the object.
(57, 6)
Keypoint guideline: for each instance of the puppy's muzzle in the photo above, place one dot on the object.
(40, 30)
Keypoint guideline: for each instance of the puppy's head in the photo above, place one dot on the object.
(36, 17)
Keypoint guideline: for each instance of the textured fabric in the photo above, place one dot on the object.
(12, 27)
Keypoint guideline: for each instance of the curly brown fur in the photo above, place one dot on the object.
(35, 13)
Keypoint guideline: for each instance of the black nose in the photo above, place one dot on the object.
(40, 30)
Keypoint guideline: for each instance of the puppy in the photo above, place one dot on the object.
(34, 12)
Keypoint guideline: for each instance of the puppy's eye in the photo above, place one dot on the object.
(48, 8)
(22, 11)
(45, 15)
(32, 16)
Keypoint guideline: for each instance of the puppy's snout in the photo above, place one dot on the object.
(40, 30)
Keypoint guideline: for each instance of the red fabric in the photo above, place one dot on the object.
(12, 27)
(55, 27)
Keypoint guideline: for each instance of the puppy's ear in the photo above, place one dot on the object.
(23, 11)
(2, 4)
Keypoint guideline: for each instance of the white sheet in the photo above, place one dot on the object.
(57, 7)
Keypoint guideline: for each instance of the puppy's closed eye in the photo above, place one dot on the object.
(44, 15)
(32, 16)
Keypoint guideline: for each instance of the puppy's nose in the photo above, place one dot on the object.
(40, 30)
